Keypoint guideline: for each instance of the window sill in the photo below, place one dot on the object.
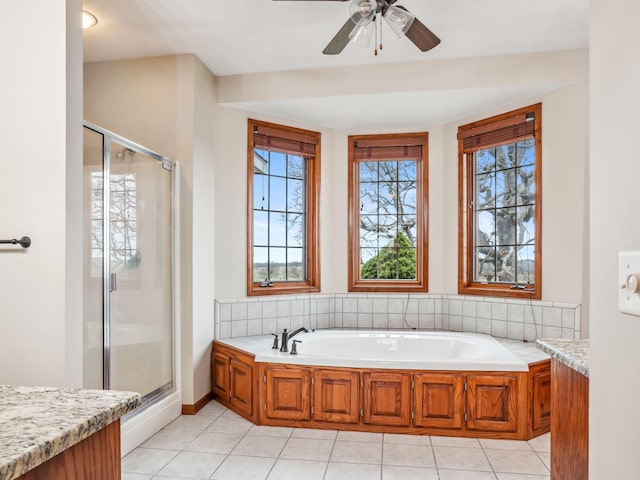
(500, 291)
(282, 289)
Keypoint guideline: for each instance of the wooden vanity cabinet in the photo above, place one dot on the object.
(233, 380)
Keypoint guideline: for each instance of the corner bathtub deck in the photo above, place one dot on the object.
(446, 402)
(40, 425)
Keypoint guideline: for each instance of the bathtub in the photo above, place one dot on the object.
(407, 350)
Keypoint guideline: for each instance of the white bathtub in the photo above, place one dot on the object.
(399, 349)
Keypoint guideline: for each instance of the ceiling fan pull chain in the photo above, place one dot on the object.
(375, 28)
(381, 33)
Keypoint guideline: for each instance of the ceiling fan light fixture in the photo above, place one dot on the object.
(362, 35)
(363, 11)
(399, 20)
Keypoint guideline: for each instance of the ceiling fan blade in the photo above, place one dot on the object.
(421, 36)
(341, 39)
(310, 0)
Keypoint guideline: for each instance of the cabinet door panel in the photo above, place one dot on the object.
(387, 398)
(335, 396)
(288, 392)
(438, 400)
(220, 375)
(492, 402)
(241, 386)
(541, 397)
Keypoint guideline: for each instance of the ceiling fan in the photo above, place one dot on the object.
(360, 26)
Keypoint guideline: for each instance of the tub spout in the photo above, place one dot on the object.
(286, 336)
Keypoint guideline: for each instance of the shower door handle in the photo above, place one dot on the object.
(112, 283)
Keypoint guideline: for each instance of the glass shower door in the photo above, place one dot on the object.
(139, 286)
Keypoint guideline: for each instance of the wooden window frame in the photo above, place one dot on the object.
(466, 285)
(402, 141)
(287, 139)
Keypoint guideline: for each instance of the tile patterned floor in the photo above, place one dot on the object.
(218, 444)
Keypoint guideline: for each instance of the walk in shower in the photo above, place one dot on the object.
(128, 264)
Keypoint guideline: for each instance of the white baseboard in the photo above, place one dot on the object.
(139, 427)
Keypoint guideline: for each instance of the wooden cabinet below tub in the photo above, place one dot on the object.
(233, 380)
(471, 404)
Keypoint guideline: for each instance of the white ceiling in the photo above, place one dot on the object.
(234, 37)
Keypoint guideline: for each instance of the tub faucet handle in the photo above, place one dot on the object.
(275, 340)
(294, 350)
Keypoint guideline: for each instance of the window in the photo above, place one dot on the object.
(125, 256)
(283, 196)
(500, 205)
(388, 213)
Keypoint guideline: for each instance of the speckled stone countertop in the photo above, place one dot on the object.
(527, 351)
(37, 423)
(573, 353)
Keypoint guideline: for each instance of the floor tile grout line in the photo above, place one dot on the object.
(493, 470)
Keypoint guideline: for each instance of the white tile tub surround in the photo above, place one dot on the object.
(505, 318)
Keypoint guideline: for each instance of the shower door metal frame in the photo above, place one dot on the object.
(169, 165)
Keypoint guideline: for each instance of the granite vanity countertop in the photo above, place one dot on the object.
(37, 423)
(573, 353)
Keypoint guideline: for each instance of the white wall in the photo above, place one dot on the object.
(565, 124)
(615, 204)
(230, 144)
(40, 141)
(564, 170)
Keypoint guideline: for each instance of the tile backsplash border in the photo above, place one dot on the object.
(501, 317)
